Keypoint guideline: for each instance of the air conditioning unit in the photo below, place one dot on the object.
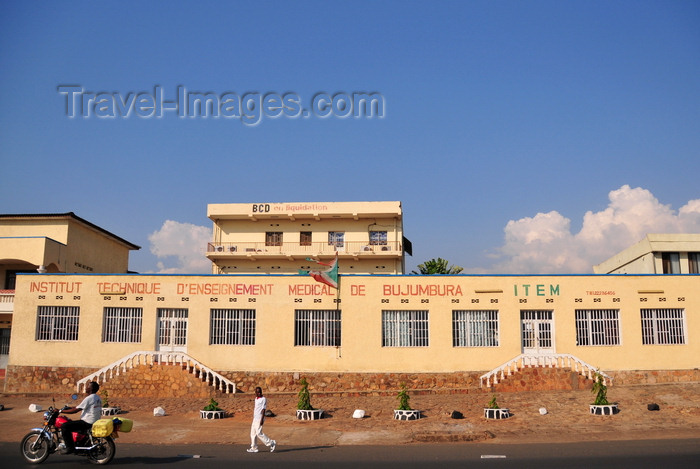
(219, 249)
(233, 248)
(386, 248)
(366, 248)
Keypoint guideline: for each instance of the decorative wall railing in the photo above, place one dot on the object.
(557, 360)
(135, 359)
(7, 301)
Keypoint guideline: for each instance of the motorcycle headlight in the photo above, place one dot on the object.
(47, 415)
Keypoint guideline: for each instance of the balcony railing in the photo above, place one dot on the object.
(7, 301)
(354, 248)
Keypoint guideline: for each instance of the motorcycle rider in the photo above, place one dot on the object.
(91, 408)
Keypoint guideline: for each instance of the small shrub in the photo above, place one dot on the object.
(492, 403)
(212, 406)
(105, 398)
(403, 398)
(600, 390)
(304, 402)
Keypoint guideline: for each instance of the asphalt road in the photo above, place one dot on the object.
(648, 454)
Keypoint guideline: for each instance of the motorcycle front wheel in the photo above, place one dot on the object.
(103, 452)
(35, 447)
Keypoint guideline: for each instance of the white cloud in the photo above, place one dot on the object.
(544, 244)
(182, 244)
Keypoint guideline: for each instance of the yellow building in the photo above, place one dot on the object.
(272, 328)
(274, 238)
(54, 243)
(656, 254)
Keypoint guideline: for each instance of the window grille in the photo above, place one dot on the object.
(232, 327)
(4, 341)
(336, 238)
(317, 327)
(122, 325)
(305, 238)
(475, 328)
(57, 323)
(405, 328)
(536, 328)
(597, 327)
(273, 238)
(663, 326)
(172, 327)
(378, 238)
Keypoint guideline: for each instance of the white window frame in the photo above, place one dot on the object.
(597, 327)
(317, 327)
(475, 328)
(232, 326)
(337, 239)
(405, 328)
(122, 325)
(663, 326)
(378, 238)
(58, 323)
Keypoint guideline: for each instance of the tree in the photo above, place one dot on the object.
(437, 266)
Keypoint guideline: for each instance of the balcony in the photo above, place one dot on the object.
(294, 251)
(7, 301)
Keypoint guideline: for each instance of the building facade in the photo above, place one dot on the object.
(53, 243)
(451, 328)
(279, 238)
(656, 254)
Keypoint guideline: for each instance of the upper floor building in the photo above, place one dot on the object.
(271, 238)
(656, 254)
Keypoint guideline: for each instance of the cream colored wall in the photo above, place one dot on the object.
(362, 300)
(56, 229)
(90, 249)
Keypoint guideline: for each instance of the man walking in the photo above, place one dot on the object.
(256, 430)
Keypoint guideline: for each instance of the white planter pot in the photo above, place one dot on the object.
(496, 414)
(407, 414)
(314, 414)
(212, 414)
(604, 409)
(110, 411)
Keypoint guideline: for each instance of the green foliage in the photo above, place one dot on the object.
(492, 403)
(403, 398)
(600, 390)
(304, 402)
(213, 405)
(437, 266)
(105, 398)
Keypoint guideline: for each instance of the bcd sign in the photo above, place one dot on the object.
(261, 208)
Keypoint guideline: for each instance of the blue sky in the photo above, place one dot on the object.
(521, 137)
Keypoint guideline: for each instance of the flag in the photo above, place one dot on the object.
(328, 276)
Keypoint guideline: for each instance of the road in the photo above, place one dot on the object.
(677, 454)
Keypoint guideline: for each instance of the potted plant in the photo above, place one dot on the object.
(107, 409)
(493, 411)
(600, 405)
(212, 411)
(304, 409)
(404, 412)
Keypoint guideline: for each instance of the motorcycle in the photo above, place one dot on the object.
(39, 443)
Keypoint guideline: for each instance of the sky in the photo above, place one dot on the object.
(536, 137)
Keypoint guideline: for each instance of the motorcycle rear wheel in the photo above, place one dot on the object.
(34, 447)
(103, 452)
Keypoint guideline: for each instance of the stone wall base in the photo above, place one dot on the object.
(173, 381)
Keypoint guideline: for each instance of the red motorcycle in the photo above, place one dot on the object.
(39, 443)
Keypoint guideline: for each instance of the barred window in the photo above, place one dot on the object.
(4, 341)
(317, 327)
(232, 327)
(404, 328)
(477, 328)
(122, 325)
(663, 326)
(597, 327)
(57, 323)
